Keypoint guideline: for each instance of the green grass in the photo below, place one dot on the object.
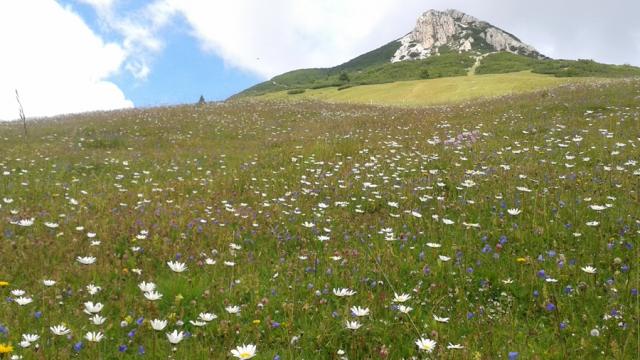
(432, 91)
(366, 70)
(446, 65)
(506, 62)
(375, 68)
(199, 178)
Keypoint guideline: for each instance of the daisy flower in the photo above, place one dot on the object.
(589, 269)
(426, 345)
(352, 325)
(86, 260)
(59, 330)
(358, 311)
(94, 336)
(175, 337)
(401, 298)
(244, 351)
(342, 292)
(176, 266)
(158, 325)
(440, 319)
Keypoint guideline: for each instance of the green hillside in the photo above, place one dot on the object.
(374, 68)
(504, 62)
(370, 68)
(432, 91)
(307, 78)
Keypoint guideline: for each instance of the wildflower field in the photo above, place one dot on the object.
(498, 229)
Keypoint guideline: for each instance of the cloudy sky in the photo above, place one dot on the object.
(80, 55)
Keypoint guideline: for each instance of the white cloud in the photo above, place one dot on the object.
(139, 29)
(262, 37)
(55, 61)
(270, 37)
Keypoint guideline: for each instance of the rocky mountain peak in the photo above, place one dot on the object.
(452, 30)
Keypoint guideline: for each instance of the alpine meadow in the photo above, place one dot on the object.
(454, 194)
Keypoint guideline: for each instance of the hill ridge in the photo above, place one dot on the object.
(441, 44)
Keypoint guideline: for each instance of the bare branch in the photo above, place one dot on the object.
(22, 117)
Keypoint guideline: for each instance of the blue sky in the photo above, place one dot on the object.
(69, 56)
(180, 73)
(183, 73)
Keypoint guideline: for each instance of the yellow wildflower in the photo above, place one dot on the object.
(256, 322)
(5, 348)
(4, 283)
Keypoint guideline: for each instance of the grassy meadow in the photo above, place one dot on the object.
(374, 68)
(494, 229)
(419, 93)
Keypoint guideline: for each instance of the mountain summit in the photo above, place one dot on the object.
(442, 44)
(453, 30)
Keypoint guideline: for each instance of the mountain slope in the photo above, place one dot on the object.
(442, 44)
(364, 70)
(325, 76)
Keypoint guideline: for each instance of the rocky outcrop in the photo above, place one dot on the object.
(453, 30)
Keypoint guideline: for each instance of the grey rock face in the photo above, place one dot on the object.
(454, 30)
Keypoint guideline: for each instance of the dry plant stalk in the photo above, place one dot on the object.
(22, 117)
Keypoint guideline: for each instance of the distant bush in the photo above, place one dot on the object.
(326, 85)
(343, 87)
(505, 62)
(296, 91)
(582, 67)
